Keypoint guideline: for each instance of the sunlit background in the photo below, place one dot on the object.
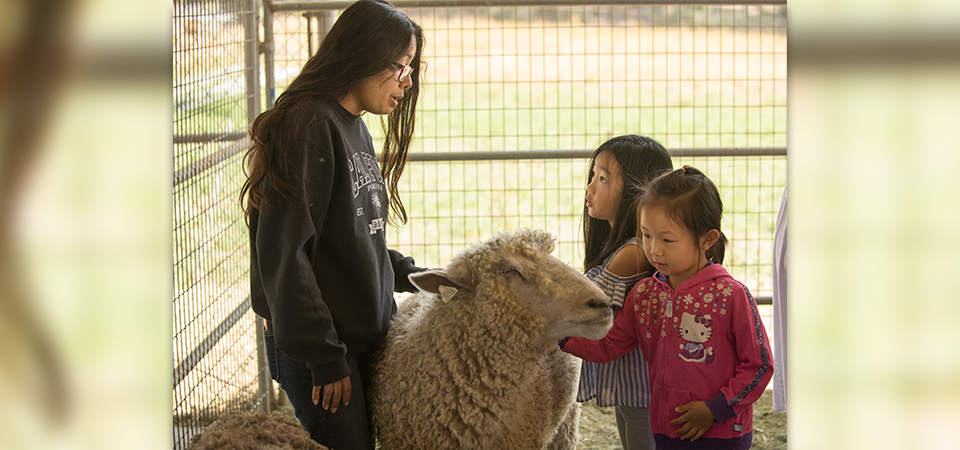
(86, 262)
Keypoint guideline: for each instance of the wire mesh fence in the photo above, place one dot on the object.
(214, 338)
(540, 78)
(513, 100)
(454, 204)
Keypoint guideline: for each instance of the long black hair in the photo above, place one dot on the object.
(641, 159)
(367, 38)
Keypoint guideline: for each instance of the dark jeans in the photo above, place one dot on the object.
(667, 443)
(349, 427)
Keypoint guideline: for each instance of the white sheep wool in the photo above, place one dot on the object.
(472, 361)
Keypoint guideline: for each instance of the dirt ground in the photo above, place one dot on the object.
(598, 427)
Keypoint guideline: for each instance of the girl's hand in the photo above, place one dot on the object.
(697, 420)
(333, 393)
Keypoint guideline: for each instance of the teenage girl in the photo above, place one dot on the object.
(707, 350)
(317, 205)
(615, 262)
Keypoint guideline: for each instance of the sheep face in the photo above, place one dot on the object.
(517, 269)
(472, 362)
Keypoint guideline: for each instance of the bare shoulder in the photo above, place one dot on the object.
(627, 262)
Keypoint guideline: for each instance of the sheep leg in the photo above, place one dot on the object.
(566, 436)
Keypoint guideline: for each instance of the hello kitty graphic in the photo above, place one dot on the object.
(696, 329)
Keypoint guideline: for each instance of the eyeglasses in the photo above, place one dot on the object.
(405, 71)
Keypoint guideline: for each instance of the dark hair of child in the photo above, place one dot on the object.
(641, 159)
(688, 197)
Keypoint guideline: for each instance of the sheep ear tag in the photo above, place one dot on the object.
(447, 292)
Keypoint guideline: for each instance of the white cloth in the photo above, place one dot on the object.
(780, 308)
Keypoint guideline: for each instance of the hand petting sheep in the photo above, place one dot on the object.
(471, 362)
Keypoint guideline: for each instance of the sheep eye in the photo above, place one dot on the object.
(511, 270)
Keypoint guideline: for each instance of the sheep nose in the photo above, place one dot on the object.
(598, 303)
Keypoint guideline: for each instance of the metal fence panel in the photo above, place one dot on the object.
(534, 79)
(216, 85)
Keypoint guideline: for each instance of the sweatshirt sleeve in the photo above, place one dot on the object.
(753, 373)
(403, 266)
(620, 340)
(286, 240)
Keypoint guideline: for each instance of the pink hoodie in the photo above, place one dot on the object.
(702, 341)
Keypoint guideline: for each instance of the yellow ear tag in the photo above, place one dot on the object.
(446, 293)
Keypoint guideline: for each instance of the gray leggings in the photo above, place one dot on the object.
(634, 426)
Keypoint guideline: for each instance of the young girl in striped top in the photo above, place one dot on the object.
(613, 259)
(698, 328)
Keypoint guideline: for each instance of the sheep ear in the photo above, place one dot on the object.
(436, 282)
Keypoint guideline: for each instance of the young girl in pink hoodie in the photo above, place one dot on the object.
(698, 328)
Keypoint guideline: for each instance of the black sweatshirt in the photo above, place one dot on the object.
(323, 275)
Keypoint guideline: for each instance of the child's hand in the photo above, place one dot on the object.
(697, 420)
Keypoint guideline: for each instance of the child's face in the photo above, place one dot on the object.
(606, 184)
(670, 247)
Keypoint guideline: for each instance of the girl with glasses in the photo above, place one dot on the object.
(317, 205)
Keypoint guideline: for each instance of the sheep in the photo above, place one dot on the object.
(254, 431)
(472, 361)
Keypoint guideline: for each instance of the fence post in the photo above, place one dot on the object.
(251, 59)
(267, 401)
(325, 20)
(251, 53)
(267, 49)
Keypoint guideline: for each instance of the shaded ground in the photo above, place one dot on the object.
(598, 427)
